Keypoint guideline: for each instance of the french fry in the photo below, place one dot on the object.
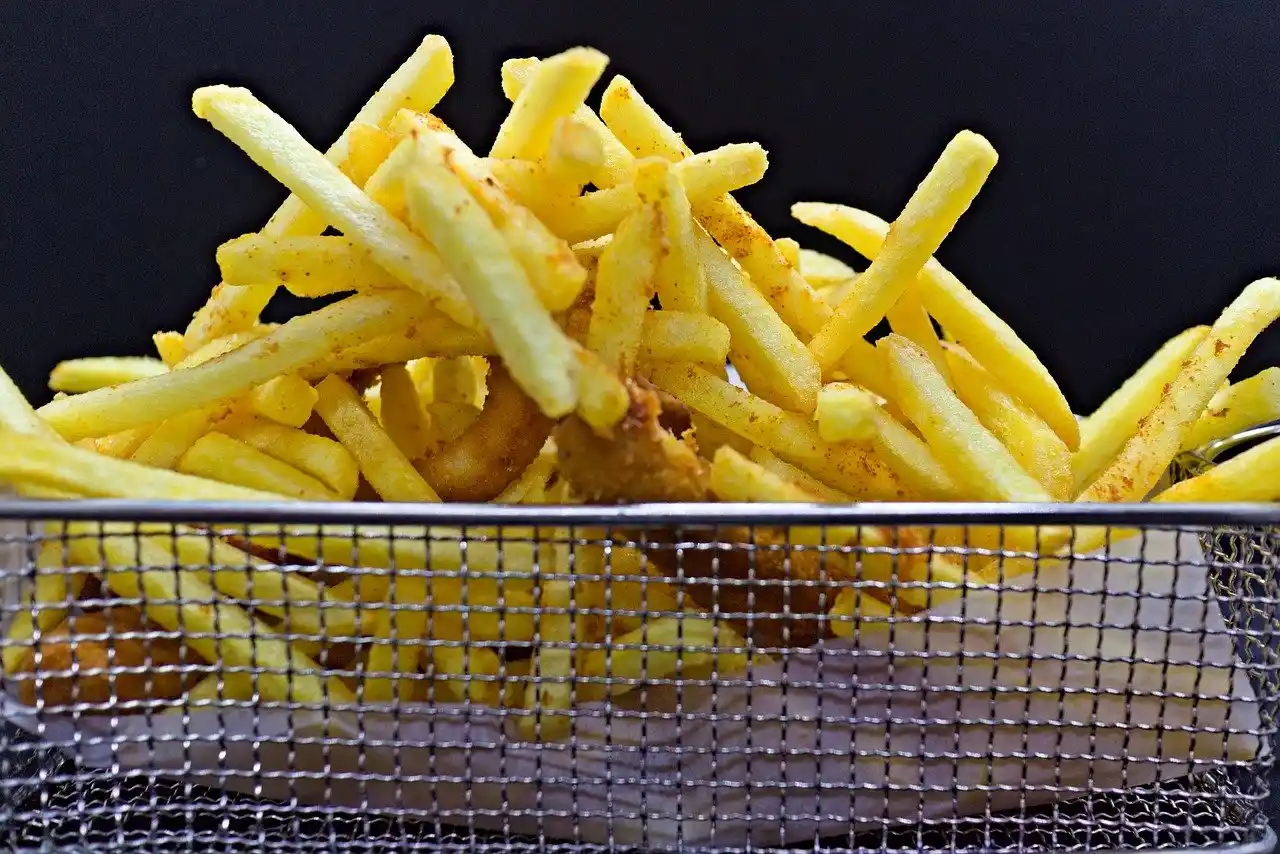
(170, 347)
(1036, 448)
(383, 465)
(703, 176)
(534, 477)
(928, 217)
(16, 414)
(216, 456)
(616, 165)
(680, 284)
(968, 450)
(790, 252)
(786, 372)
(536, 351)
(853, 606)
(974, 326)
(305, 266)
(788, 434)
(126, 443)
(220, 347)
(397, 647)
(49, 463)
(454, 381)
(301, 341)
(286, 399)
(1104, 433)
(1145, 457)
(710, 436)
(908, 318)
(277, 147)
(602, 397)
(419, 83)
(846, 413)
(551, 695)
(682, 336)
(822, 270)
(166, 444)
(79, 375)
(431, 335)
(1253, 475)
(1241, 405)
(624, 286)
(785, 470)
(574, 155)
(52, 593)
(367, 147)
(637, 125)
(324, 459)
(912, 460)
(557, 87)
(214, 628)
(402, 415)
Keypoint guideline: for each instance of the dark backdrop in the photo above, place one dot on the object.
(1138, 187)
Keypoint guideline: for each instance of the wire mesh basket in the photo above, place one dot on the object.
(640, 678)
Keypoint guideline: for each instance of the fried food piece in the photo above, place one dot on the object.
(495, 449)
(75, 667)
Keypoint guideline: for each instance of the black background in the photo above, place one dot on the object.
(1138, 188)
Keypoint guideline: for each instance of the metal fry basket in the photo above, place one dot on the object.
(638, 678)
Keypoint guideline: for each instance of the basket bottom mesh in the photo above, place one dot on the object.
(154, 814)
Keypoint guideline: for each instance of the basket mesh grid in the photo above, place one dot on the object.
(515, 618)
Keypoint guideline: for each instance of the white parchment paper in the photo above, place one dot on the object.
(1040, 684)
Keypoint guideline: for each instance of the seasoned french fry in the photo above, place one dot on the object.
(637, 125)
(538, 353)
(908, 318)
(788, 434)
(790, 252)
(822, 270)
(624, 286)
(681, 336)
(273, 144)
(602, 397)
(388, 470)
(300, 342)
(216, 456)
(287, 399)
(1146, 456)
(616, 166)
(367, 147)
(846, 413)
(977, 328)
(551, 695)
(786, 372)
(710, 436)
(324, 459)
(306, 266)
(1241, 405)
(703, 176)
(1253, 475)
(430, 335)
(574, 155)
(50, 463)
(968, 450)
(220, 347)
(681, 285)
(216, 629)
(534, 476)
(810, 484)
(419, 83)
(402, 414)
(398, 644)
(912, 460)
(79, 375)
(170, 347)
(173, 438)
(557, 87)
(126, 443)
(1034, 445)
(928, 217)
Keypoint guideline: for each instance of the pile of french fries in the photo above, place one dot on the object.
(486, 296)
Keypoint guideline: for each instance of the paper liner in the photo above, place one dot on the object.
(1059, 699)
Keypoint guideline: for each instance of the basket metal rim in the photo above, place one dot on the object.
(651, 515)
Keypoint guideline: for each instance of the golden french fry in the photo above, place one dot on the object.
(967, 449)
(789, 434)
(305, 266)
(976, 327)
(170, 347)
(792, 474)
(682, 336)
(853, 606)
(1241, 405)
(54, 591)
(216, 456)
(1105, 432)
(367, 147)
(79, 375)
(616, 165)
(557, 87)
(846, 413)
(51, 463)
(277, 147)
(220, 347)
(823, 271)
(928, 217)
(536, 351)
(534, 476)
(785, 371)
(398, 646)
(602, 397)
(790, 252)
(387, 469)
(624, 286)
(681, 285)
(915, 464)
(16, 414)
(401, 412)
(908, 318)
(574, 155)
(126, 443)
(1253, 475)
(324, 459)
(430, 335)
(551, 695)
(1147, 455)
(287, 399)
(164, 447)
(419, 83)
(293, 345)
(455, 381)
(637, 125)
(1034, 445)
